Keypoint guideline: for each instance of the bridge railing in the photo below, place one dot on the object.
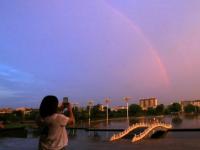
(126, 131)
(138, 125)
(149, 129)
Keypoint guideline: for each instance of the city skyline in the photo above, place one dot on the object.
(98, 49)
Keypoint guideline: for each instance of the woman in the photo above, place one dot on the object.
(53, 133)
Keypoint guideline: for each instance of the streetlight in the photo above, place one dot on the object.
(126, 99)
(107, 101)
(74, 105)
(90, 104)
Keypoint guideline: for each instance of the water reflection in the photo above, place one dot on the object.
(186, 121)
(16, 132)
(189, 121)
(134, 120)
(83, 140)
(177, 121)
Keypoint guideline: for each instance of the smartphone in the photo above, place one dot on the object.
(65, 101)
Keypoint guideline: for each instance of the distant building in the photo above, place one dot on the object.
(6, 110)
(100, 107)
(148, 103)
(24, 110)
(192, 102)
(117, 108)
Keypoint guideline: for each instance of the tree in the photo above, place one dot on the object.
(32, 116)
(19, 115)
(160, 109)
(96, 112)
(189, 108)
(167, 111)
(119, 113)
(8, 117)
(174, 108)
(83, 115)
(151, 111)
(76, 113)
(197, 109)
(135, 110)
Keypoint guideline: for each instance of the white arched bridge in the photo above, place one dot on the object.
(150, 129)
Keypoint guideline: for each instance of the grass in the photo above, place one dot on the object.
(14, 125)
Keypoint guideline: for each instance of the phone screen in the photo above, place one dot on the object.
(65, 99)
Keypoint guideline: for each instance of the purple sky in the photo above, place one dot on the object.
(97, 49)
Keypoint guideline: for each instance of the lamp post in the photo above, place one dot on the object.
(74, 105)
(107, 101)
(126, 99)
(90, 104)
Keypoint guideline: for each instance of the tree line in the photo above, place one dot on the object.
(82, 114)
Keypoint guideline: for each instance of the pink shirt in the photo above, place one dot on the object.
(56, 134)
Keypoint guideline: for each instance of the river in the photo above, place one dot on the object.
(84, 140)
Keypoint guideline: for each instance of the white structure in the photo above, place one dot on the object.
(126, 99)
(107, 101)
(90, 104)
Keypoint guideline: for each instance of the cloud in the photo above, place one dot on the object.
(16, 83)
(13, 75)
(6, 92)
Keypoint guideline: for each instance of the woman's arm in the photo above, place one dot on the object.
(68, 113)
(71, 115)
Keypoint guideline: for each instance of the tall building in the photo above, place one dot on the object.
(193, 102)
(148, 103)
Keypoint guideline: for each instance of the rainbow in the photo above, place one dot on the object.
(147, 42)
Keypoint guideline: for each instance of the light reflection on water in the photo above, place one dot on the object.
(90, 141)
(99, 140)
(187, 122)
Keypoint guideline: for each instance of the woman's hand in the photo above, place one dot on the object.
(69, 107)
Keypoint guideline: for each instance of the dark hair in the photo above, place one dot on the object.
(48, 106)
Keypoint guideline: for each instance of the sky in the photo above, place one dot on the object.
(97, 49)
